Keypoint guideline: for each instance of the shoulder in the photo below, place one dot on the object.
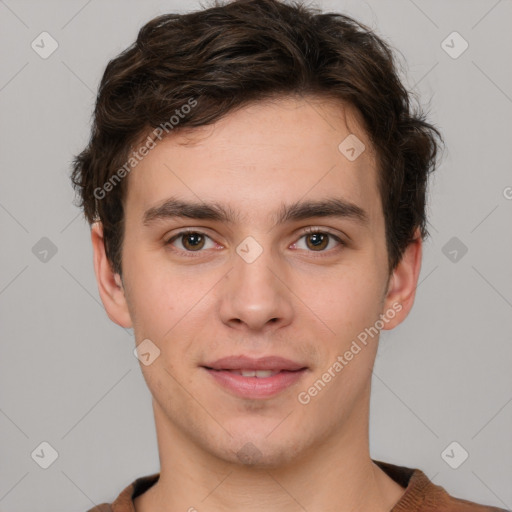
(449, 503)
(437, 499)
(102, 507)
(124, 502)
(441, 500)
(422, 495)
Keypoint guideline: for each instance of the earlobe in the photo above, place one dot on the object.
(402, 284)
(110, 285)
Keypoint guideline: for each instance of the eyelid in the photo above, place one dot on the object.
(319, 229)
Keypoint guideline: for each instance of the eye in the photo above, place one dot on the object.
(317, 240)
(191, 241)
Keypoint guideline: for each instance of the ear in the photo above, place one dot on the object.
(403, 282)
(110, 285)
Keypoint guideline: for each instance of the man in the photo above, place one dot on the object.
(256, 185)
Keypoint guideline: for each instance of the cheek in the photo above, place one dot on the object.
(346, 302)
(155, 300)
(168, 308)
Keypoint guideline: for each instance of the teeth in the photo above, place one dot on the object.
(261, 374)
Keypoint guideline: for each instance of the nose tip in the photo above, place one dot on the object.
(254, 297)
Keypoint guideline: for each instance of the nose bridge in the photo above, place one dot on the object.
(254, 293)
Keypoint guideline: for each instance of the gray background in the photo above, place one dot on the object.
(67, 373)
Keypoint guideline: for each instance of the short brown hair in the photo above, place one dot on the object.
(232, 54)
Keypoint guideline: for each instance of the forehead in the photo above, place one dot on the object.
(264, 154)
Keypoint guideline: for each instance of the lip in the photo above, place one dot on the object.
(248, 363)
(256, 387)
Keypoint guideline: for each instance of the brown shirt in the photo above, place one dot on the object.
(421, 495)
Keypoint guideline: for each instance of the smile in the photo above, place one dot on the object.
(255, 384)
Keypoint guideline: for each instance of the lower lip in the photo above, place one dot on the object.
(255, 387)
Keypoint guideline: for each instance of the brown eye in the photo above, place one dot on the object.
(193, 241)
(319, 241)
(190, 241)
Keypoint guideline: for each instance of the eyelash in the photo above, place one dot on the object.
(307, 231)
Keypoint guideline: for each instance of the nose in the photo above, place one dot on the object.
(255, 296)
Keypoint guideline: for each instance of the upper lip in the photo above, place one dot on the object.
(247, 363)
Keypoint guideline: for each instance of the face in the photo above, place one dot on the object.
(255, 283)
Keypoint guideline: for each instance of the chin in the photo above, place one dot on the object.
(258, 451)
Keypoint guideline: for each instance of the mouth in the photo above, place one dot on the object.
(246, 363)
(259, 374)
(255, 384)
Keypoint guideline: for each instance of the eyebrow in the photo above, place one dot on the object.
(300, 210)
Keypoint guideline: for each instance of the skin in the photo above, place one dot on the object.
(295, 301)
